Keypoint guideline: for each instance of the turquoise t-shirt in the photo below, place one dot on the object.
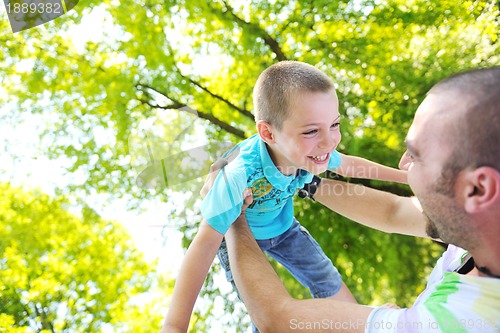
(271, 212)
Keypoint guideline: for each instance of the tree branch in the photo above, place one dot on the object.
(225, 126)
(270, 41)
(21, 303)
(176, 105)
(244, 112)
(46, 324)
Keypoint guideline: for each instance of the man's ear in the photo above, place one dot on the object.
(266, 131)
(482, 189)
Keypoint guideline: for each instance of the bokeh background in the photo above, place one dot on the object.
(91, 100)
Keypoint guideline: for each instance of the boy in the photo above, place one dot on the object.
(296, 111)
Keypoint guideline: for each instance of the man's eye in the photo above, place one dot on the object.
(311, 132)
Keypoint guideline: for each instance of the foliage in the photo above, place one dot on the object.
(61, 273)
(7, 325)
(183, 71)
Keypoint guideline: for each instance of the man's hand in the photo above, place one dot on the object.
(170, 329)
(247, 199)
(215, 169)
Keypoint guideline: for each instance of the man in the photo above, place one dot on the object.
(453, 164)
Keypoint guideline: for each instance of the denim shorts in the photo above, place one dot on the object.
(301, 255)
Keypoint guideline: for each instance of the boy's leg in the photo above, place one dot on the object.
(302, 256)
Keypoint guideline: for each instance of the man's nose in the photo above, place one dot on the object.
(405, 161)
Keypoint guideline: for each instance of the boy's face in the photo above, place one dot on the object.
(309, 135)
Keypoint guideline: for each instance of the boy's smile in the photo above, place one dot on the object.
(320, 159)
(308, 136)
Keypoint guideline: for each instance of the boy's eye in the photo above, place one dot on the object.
(311, 132)
(335, 125)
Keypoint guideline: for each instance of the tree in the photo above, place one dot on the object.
(62, 273)
(7, 324)
(153, 58)
(177, 72)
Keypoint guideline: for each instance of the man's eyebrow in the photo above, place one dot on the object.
(410, 148)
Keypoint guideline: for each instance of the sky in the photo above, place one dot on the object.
(23, 164)
(27, 167)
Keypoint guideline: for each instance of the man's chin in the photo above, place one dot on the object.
(431, 229)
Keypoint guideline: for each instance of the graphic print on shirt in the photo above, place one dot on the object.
(265, 196)
(260, 188)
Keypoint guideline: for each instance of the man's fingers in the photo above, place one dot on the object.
(247, 198)
(214, 171)
(219, 164)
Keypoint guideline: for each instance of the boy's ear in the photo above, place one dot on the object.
(265, 131)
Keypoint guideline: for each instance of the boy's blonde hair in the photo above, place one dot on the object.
(278, 84)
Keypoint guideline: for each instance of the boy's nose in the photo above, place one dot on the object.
(329, 140)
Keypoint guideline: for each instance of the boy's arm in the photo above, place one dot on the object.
(357, 167)
(373, 208)
(192, 274)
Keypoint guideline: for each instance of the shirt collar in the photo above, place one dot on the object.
(271, 172)
(305, 177)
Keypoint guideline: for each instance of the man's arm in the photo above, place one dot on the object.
(358, 167)
(192, 274)
(376, 209)
(271, 307)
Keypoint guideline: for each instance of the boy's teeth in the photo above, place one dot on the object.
(319, 158)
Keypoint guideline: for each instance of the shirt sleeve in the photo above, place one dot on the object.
(451, 303)
(420, 320)
(335, 160)
(223, 203)
(383, 320)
